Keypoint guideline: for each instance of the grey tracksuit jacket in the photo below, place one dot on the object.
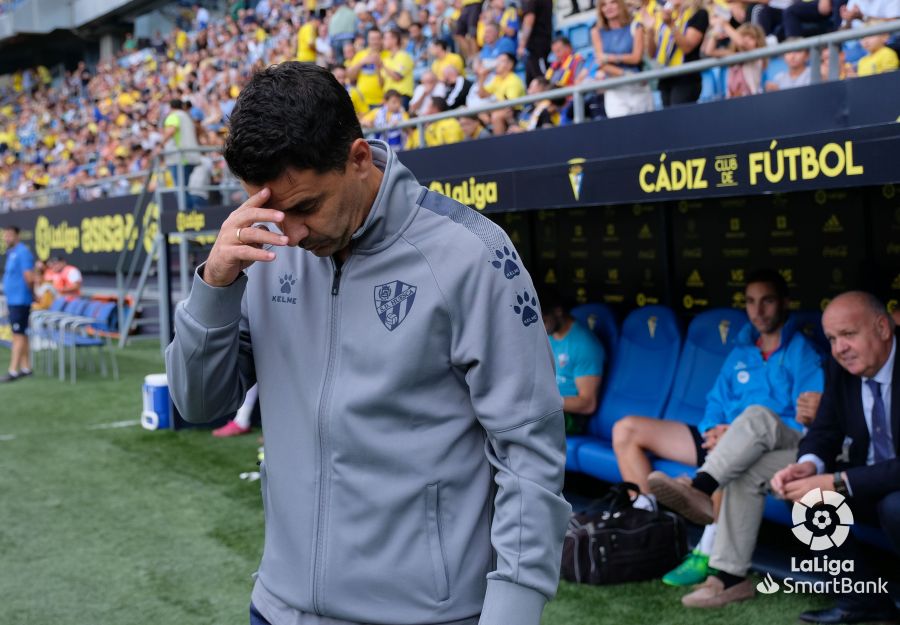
(399, 397)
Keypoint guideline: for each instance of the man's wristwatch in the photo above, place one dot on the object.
(840, 486)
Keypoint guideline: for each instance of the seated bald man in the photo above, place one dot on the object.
(861, 404)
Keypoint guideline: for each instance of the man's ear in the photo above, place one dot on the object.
(360, 158)
(883, 327)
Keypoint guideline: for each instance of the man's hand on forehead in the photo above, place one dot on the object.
(242, 241)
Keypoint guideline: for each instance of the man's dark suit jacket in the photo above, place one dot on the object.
(841, 415)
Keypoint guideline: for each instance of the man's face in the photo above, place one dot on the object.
(415, 32)
(450, 75)
(504, 65)
(553, 320)
(468, 125)
(375, 41)
(10, 237)
(560, 50)
(860, 340)
(765, 309)
(490, 34)
(321, 211)
(796, 59)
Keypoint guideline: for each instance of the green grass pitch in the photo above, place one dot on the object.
(121, 526)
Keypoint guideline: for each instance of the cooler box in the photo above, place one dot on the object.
(157, 407)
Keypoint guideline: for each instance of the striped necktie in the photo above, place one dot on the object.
(881, 442)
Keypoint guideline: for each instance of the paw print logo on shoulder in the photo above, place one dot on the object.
(287, 282)
(508, 260)
(525, 307)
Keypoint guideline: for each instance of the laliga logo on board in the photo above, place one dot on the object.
(822, 520)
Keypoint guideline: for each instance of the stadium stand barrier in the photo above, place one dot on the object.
(578, 92)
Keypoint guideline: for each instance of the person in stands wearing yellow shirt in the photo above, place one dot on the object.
(366, 69)
(356, 96)
(398, 68)
(441, 132)
(472, 128)
(306, 40)
(505, 85)
(880, 58)
(467, 28)
(443, 58)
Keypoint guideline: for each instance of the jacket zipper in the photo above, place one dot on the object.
(321, 422)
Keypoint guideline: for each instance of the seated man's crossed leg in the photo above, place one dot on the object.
(756, 445)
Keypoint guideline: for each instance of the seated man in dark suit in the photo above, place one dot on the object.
(861, 404)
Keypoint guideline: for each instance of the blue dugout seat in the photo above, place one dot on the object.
(810, 323)
(601, 320)
(709, 340)
(639, 382)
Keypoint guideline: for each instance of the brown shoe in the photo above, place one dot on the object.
(713, 594)
(694, 505)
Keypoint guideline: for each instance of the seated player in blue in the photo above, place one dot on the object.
(766, 392)
(579, 358)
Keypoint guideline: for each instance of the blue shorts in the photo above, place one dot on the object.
(18, 318)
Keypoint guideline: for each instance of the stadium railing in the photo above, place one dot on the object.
(54, 196)
(578, 92)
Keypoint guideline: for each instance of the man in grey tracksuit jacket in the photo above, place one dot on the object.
(394, 390)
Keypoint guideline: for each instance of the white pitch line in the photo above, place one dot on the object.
(114, 424)
(7, 437)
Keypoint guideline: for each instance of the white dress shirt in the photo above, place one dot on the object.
(884, 377)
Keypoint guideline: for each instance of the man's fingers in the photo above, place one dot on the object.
(777, 482)
(259, 235)
(248, 255)
(247, 215)
(795, 490)
(259, 198)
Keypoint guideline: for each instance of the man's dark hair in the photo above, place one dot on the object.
(290, 115)
(551, 299)
(772, 278)
(440, 104)
(176, 103)
(440, 43)
(510, 56)
(563, 40)
(391, 93)
(15, 229)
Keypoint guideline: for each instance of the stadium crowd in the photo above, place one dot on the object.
(397, 59)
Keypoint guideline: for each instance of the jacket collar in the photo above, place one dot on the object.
(394, 206)
(749, 335)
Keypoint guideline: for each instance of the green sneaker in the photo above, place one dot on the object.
(693, 570)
